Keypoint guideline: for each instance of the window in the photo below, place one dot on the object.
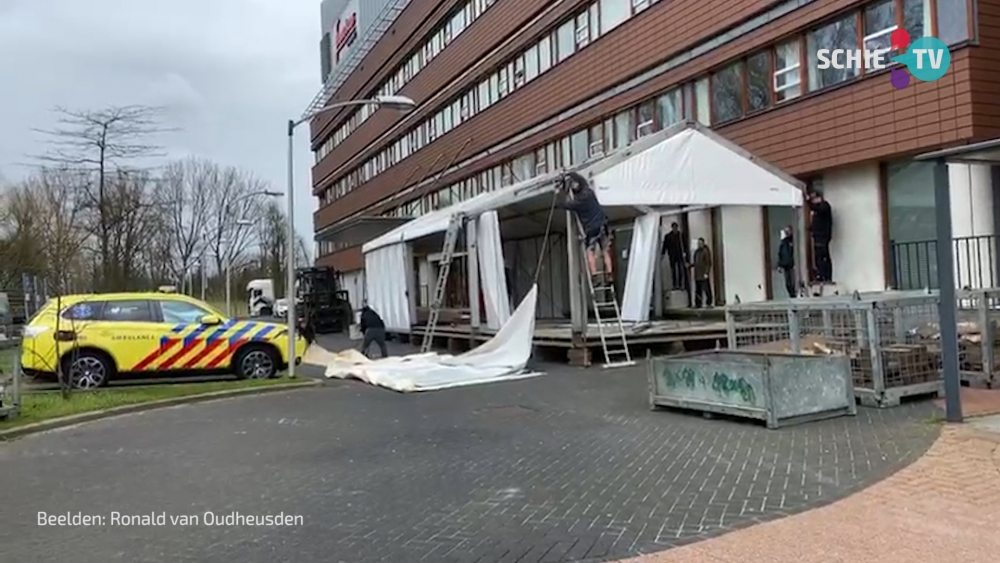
(702, 101)
(531, 63)
(917, 18)
(458, 22)
(669, 108)
(502, 84)
(579, 147)
(727, 94)
(952, 21)
(639, 5)
(758, 81)
(86, 311)
(623, 128)
(613, 14)
(787, 71)
(595, 20)
(565, 41)
(541, 164)
(524, 166)
(494, 82)
(838, 34)
(595, 139)
(484, 95)
(518, 71)
(646, 119)
(177, 312)
(880, 22)
(127, 311)
(582, 30)
(544, 54)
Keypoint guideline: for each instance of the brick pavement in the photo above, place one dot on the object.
(944, 508)
(569, 466)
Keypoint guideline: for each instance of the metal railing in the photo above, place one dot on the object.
(914, 264)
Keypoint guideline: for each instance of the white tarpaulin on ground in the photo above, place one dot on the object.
(501, 358)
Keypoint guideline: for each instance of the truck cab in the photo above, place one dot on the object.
(260, 298)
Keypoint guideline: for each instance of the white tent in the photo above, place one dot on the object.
(686, 164)
(690, 166)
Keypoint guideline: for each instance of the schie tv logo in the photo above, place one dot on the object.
(926, 58)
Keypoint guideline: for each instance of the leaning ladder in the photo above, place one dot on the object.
(604, 299)
(455, 225)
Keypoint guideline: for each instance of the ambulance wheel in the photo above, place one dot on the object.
(87, 369)
(256, 362)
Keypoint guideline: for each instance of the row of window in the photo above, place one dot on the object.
(791, 68)
(156, 311)
(588, 24)
(446, 33)
(767, 77)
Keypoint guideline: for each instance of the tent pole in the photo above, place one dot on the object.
(577, 315)
(472, 270)
(802, 239)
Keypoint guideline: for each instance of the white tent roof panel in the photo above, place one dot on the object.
(685, 164)
(691, 167)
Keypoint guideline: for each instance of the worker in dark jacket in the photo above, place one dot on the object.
(676, 251)
(583, 201)
(786, 261)
(374, 331)
(702, 265)
(821, 228)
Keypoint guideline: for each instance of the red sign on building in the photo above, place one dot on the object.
(346, 33)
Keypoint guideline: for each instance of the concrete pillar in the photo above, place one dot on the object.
(972, 215)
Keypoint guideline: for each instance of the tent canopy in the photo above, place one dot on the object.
(686, 164)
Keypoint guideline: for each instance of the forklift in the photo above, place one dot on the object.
(321, 305)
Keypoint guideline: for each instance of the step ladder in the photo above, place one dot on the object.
(455, 225)
(604, 300)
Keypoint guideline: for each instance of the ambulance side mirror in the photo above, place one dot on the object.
(211, 320)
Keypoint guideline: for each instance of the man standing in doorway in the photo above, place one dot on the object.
(786, 261)
(702, 275)
(821, 228)
(374, 330)
(676, 251)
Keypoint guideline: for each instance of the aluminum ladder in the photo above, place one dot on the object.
(604, 299)
(455, 225)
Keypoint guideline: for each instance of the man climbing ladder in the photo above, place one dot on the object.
(583, 202)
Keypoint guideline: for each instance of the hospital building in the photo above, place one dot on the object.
(713, 114)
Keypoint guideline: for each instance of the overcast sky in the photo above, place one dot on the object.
(231, 72)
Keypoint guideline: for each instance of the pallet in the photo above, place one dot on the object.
(893, 396)
(977, 380)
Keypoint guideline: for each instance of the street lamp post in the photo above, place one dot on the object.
(229, 254)
(399, 103)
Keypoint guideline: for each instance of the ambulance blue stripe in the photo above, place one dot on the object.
(222, 330)
(194, 335)
(179, 327)
(240, 333)
(262, 333)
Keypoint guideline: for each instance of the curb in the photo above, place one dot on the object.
(64, 421)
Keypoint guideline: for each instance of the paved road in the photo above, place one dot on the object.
(571, 466)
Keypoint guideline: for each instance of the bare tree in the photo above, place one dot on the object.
(184, 197)
(101, 143)
(239, 198)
